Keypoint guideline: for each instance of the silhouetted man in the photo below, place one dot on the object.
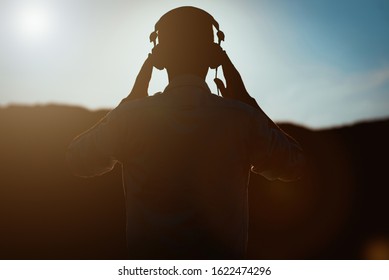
(186, 153)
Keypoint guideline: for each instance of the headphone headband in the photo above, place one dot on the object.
(181, 12)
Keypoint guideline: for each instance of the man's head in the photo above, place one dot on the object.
(186, 41)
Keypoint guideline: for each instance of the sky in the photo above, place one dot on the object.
(314, 63)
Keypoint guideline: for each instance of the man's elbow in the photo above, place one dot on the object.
(296, 170)
(83, 159)
(81, 167)
(290, 172)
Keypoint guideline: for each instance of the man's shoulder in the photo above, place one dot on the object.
(140, 102)
(232, 104)
(204, 100)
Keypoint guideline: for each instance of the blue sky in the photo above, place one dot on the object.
(316, 63)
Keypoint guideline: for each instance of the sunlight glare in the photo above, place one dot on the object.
(33, 23)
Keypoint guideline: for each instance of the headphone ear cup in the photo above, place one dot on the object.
(158, 57)
(215, 56)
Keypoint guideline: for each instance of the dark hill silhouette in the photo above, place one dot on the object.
(338, 210)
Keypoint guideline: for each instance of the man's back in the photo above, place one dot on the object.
(185, 172)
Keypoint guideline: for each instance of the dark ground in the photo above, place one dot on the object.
(339, 210)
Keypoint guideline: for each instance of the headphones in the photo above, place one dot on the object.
(159, 50)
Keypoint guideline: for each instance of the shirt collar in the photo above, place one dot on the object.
(187, 80)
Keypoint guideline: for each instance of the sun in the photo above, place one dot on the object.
(33, 23)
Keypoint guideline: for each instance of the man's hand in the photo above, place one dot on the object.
(141, 85)
(235, 87)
